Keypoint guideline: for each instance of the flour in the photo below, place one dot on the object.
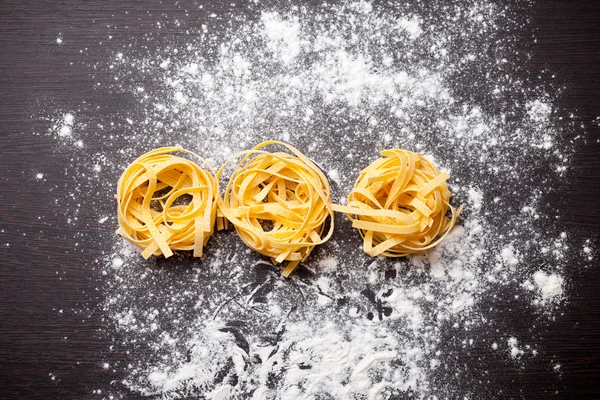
(538, 111)
(588, 252)
(117, 262)
(411, 26)
(62, 129)
(340, 82)
(509, 255)
(476, 198)
(514, 350)
(556, 367)
(550, 286)
(283, 36)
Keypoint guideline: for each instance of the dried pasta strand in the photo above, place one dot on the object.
(150, 215)
(399, 205)
(278, 203)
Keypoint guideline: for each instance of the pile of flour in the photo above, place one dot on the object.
(341, 83)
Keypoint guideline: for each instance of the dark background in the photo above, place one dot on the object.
(41, 273)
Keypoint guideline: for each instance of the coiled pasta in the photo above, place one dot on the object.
(167, 203)
(279, 203)
(399, 205)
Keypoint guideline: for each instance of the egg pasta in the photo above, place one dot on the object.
(399, 205)
(278, 202)
(167, 203)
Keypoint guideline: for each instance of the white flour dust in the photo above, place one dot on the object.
(340, 82)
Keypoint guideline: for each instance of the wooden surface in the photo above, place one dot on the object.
(41, 273)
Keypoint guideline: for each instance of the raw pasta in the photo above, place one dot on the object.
(399, 205)
(167, 203)
(278, 202)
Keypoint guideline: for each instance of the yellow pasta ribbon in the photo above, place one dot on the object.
(278, 203)
(167, 203)
(399, 205)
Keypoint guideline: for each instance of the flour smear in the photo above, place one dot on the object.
(340, 82)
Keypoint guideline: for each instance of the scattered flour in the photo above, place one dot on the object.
(550, 286)
(411, 26)
(475, 198)
(514, 350)
(340, 82)
(509, 255)
(117, 262)
(587, 251)
(539, 111)
(283, 35)
(556, 367)
(62, 129)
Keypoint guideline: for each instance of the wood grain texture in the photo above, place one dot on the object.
(41, 273)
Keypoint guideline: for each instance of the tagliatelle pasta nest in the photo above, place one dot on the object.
(399, 205)
(167, 203)
(278, 203)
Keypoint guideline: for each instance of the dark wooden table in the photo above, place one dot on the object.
(41, 273)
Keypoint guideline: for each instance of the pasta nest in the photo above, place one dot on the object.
(167, 203)
(399, 205)
(278, 203)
